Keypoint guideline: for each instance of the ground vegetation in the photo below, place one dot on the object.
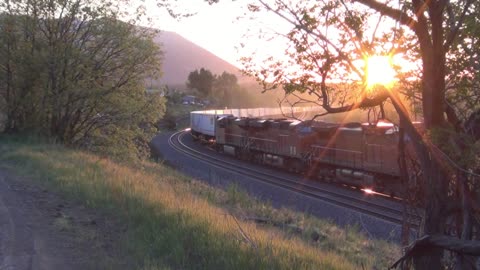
(171, 221)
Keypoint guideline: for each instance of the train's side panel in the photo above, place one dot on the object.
(349, 147)
(267, 140)
(237, 135)
(381, 152)
(323, 146)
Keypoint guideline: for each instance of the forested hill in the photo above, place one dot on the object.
(183, 56)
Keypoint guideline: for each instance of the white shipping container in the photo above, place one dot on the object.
(203, 123)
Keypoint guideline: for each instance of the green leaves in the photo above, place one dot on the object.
(222, 89)
(76, 72)
(201, 80)
(308, 20)
(355, 23)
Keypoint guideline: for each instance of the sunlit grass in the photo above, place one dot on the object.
(175, 222)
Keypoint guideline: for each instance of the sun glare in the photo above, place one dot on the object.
(379, 71)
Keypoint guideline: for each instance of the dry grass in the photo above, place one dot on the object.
(175, 222)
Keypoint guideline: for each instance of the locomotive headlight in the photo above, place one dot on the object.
(368, 191)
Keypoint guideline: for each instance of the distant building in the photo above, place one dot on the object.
(161, 92)
(189, 100)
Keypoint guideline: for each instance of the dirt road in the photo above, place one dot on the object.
(41, 230)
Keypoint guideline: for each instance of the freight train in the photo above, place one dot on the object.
(355, 154)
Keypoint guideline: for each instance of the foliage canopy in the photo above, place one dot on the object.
(73, 71)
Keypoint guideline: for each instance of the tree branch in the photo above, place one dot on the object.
(298, 24)
(393, 13)
(453, 33)
(466, 247)
(364, 103)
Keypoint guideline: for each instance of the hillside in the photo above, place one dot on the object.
(182, 56)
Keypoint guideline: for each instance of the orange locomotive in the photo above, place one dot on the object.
(361, 155)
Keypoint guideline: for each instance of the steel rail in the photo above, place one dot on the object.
(360, 205)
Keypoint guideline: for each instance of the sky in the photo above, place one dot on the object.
(221, 28)
(213, 27)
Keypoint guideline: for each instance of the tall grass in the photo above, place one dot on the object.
(174, 222)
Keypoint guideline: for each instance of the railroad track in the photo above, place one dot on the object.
(373, 206)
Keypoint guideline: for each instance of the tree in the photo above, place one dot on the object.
(326, 40)
(202, 81)
(224, 90)
(72, 70)
(224, 87)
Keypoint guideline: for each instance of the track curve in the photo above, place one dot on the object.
(372, 206)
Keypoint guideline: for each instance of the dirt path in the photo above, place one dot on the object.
(41, 230)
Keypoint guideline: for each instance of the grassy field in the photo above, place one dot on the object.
(175, 222)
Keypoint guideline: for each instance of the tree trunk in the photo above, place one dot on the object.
(434, 219)
(433, 57)
(435, 178)
(435, 186)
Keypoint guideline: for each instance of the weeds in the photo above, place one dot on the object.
(174, 222)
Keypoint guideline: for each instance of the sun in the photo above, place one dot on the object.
(379, 71)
